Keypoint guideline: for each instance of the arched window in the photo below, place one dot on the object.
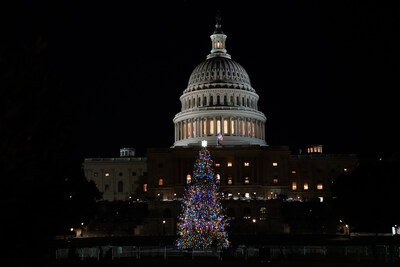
(160, 182)
(188, 179)
(120, 187)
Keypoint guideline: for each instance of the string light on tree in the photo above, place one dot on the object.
(202, 222)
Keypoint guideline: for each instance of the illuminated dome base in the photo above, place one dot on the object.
(227, 141)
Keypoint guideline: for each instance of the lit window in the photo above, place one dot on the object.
(246, 180)
(218, 126)
(161, 182)
(275, 164)
(305, 186)
(217, 178)
(320, 187)
(247, 195)
(204, 127)
(226, 127)
(144, 187)
(254, 129)
(275, 180)
(217, 165)
(246, 164)
(293, 172)
(95, 174)
(107, 174)
(230, 180)
(249, 128)
(188, 179)
(211, 127)
(263, 213)
(294, 186)
(233, 127)
(229, 164)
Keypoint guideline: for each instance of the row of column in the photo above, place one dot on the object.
(219, 100)
(200, 127)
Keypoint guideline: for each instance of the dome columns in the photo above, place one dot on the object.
(219, 97)
(235, 128)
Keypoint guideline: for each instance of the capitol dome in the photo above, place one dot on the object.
(219, 104)
(217, 70)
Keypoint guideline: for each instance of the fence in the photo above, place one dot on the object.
(116, 252)
(353, 253)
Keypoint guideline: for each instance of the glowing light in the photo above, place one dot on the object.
(202, 221)
(204, 143)
(305, 186)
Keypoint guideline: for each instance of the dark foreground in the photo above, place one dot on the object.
(211, 263)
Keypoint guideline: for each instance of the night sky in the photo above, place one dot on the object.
(326, 71)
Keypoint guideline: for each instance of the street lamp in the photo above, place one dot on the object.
(255, 225)
(82, 229)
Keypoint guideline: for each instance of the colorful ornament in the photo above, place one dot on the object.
(202, 222)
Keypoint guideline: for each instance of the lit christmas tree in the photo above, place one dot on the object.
(202, 222)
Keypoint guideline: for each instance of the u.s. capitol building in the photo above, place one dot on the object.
(220, 106)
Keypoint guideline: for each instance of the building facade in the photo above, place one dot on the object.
(117, 178)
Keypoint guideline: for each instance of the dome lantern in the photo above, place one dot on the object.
(218, 39)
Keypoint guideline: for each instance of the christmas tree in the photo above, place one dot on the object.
(202, 222)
